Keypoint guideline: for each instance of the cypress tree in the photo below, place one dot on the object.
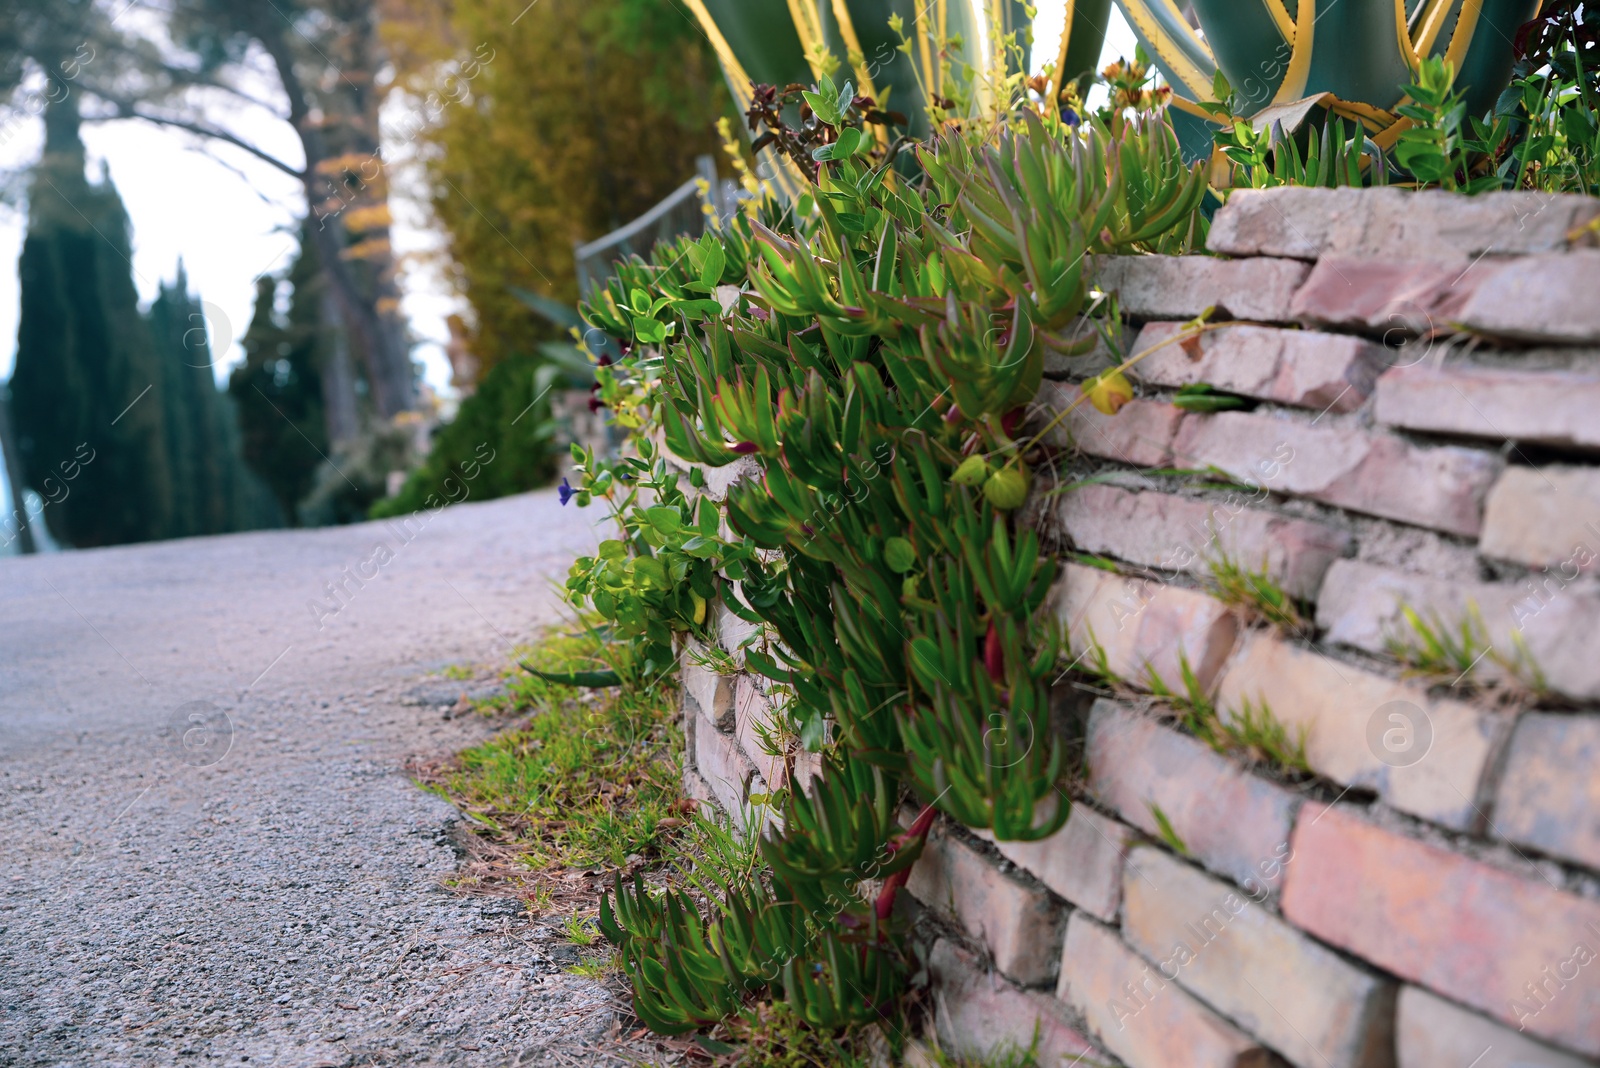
(87, 396)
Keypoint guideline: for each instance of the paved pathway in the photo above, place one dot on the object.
(211, 853)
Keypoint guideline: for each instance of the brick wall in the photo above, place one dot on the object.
(1427, 434)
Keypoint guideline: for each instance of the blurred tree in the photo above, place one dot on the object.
(278, 388)
(86, 396)
(545, 125)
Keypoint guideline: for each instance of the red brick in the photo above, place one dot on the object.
(1549, 297)
(1017, 924)
(1181, 287)
(1432, 1031)
(1544, 622)
(1390, 297)
(1142, 626)
(1303, 999)
(1549, 795)
(1380, 474)
(1308, 223)
(1234, 823)
(1305, 368)
(1082, 861)
(1475, 934)
(980, 1015)
(1173, 533)
(1544, 407)
(711, 692)
(1544, 517)
(1143, 1019)
(1435, 772)
(1140, 433)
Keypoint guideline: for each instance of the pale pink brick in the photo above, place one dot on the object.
(807, 767)
(1305, 368)
(1347, 718)
(1432, 1031)
(1544, 407)
(730, 774)
(712, 692)
(1142, 626)
(1181, 287)
(1140, 433)
(733, 632)
(1082, 861)
(752, 714)
(1480, 936)
(1173, 533)
(1549, 796)
(1307, 1002)
(1308, 223)
(1235, 823)
(1380, 474)
(1544, 517)
(1393, 298)
(1548, 297)
(1142, 1018)
(1544, 627)
(979, 1015)
(1018, 925)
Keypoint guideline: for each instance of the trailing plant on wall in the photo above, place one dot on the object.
(871, 350)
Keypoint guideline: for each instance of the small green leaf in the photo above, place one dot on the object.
(667, 521)
(899, 555)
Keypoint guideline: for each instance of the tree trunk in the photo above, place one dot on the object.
(338, 380)
(14, 477)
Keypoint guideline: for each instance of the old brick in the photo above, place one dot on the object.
(1234, 823)
(1082, 861)
(807, 766)
(1422, 755)
(1019, 925)
(712, 692)
(1140, 433)
(1544, 517)
(1432, 1031)
(1308, 223)
(730, 774)
(1333, 372)
(1544, 407)
(1379, 474)
(733, 632)
(1181, 287)
(1500, 943)
(1139, 1016)
(980, 1015)
(1548, 297)
(1543, 629)
(752, 715)
(1304, 1000)
(1388, 297)
(1173, 533)
(1144, 627)
(1549, 794)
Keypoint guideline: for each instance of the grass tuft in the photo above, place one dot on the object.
(1254, 592)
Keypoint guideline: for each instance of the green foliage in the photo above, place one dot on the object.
(497, 444)
(1455, 653)
(873, 367)
(1253, 590)
(1436, 150)
(1252, 729)
(1164, 826)
(589, 779)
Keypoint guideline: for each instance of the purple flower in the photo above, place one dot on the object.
(565, 491)
(1070, 117)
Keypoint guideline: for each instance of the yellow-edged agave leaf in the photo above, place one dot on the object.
(1279, 54)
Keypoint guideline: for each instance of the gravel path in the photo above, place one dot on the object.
(212, 853)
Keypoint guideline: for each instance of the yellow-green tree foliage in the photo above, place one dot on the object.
(555, 123)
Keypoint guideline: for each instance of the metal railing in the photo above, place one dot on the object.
(682, 212)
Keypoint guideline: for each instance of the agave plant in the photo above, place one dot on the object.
(907, 54)
(1351, 57)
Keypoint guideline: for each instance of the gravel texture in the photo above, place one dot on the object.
(212, 854)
